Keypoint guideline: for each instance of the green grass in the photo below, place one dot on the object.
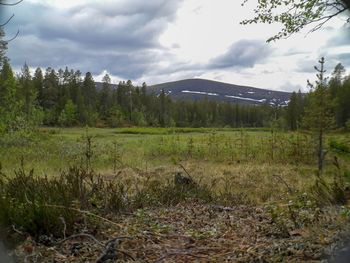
(53, 149)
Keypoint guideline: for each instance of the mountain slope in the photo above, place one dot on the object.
(195, 89)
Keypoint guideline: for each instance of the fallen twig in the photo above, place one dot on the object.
(17, 231)
(111, 251)
(81, 235)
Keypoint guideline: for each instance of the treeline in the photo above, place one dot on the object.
(66, 98)
(69, 98)
(336, 96)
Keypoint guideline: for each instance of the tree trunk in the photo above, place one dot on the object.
(320, 151)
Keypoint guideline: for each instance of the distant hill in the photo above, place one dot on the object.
(196, 89)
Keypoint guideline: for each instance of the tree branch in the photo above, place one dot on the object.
(11, 4)
(8, 20)
(7, 41)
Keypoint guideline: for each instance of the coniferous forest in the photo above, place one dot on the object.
(69, 98)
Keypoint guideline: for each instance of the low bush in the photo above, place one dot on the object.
(54, 206)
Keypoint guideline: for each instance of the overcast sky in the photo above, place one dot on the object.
(165, 40)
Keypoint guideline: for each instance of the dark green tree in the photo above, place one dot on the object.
(27, 92)
(38, 83)
(318, 112)
(89, 94)
(105, 97)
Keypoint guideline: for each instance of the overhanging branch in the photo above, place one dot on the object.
(11, 4)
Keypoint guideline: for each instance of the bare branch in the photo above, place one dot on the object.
(7, 41)
(81, 235)
(11, 4)
(8, 20)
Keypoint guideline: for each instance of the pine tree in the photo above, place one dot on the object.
(318, 112)
(105, 97)
(27, 91)
(89, 94)
(3, 47)
(38, 82)
(89, 91)
(342, 103)
(10, 106)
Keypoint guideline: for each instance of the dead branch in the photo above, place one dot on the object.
(17, 231)
(81, 235)
(111, 251)
(64, 226)
(116, 239)
(290, 190)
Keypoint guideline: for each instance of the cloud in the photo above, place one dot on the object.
(343, 58)
(242, 54)
(290, 87)
(120, 36)
(342, 38)
(164, 40)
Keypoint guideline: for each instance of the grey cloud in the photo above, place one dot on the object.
(120, 36)
(343, 58)
(242, 54)
(64, 53)
(341, 39)
(115, 25)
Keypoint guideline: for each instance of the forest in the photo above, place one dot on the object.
(64, 98)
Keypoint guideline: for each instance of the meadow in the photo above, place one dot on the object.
(249, 157)
(264, 175)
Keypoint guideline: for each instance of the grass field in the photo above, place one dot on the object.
(248, 184)
(217, 157)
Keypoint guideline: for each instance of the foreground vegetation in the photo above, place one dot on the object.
(121, 183)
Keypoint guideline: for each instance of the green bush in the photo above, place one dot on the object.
(339, 146)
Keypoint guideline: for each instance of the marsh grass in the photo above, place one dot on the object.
(116, 172)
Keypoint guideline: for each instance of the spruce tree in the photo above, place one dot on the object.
(38, 82)
(104, 103)
(27, 91)
(318, 112)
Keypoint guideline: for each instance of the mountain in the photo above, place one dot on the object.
(196, 89)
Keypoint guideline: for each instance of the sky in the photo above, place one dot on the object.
(158, 41)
